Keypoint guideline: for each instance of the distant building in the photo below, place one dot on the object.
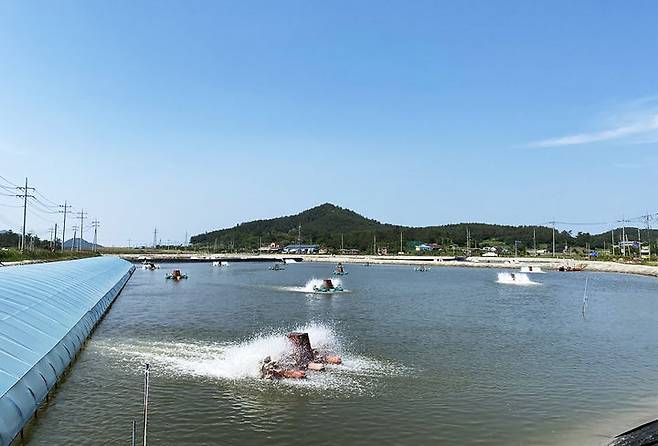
(301, 249)
(423, 247)
(382, 251)
(349, 251)
(272, 247)
(629, 244)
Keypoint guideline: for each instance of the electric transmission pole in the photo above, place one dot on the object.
(24, 196)
(95, 224)
(155, 237)
(623, 236)
(66, 210)
(81, 215)
(647, 222)
(75, 230)
(553, 222)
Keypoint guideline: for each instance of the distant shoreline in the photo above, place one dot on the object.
(470, 262)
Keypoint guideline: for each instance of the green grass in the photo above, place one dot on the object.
(14, 255)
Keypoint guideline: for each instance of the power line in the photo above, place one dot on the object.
(43, 207)
(31, 212)
(7, 181)
(46, 198)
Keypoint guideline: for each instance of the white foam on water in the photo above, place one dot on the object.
(312, 283)
(241, 361)
(515, 279)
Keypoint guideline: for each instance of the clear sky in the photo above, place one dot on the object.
(192, 115)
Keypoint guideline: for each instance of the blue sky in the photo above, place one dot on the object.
(191, 116)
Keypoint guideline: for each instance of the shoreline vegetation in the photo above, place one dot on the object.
(11, 256)
(548, 263)
(339, 230)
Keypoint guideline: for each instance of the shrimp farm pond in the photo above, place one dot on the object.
(446, 356)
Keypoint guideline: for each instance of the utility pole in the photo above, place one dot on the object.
(75, 230)
(468, 242)
(54, 247)
(623, 236)
(155, 237)
(299, 234)
(95, 224)
(553, 237)
(612, 239)
(81, 215)
(65, 211)
(647, 222)
(401, 248)
(534, 240)
(24, 196)
(186, 239)
(342, 244)
(374, 245)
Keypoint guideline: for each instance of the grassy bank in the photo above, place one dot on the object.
(14, 255)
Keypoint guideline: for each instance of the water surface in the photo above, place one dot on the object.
(447, 356)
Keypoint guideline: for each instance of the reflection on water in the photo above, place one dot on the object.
(449, 357)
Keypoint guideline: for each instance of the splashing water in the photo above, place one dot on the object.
(515, 279)
(242, 361)
(312, 283)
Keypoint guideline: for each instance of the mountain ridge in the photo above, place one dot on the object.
(331, 226)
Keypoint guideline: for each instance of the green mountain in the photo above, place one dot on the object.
(326, 223)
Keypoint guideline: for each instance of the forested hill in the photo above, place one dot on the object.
(326, 223)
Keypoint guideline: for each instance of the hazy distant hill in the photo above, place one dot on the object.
(86, 246)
